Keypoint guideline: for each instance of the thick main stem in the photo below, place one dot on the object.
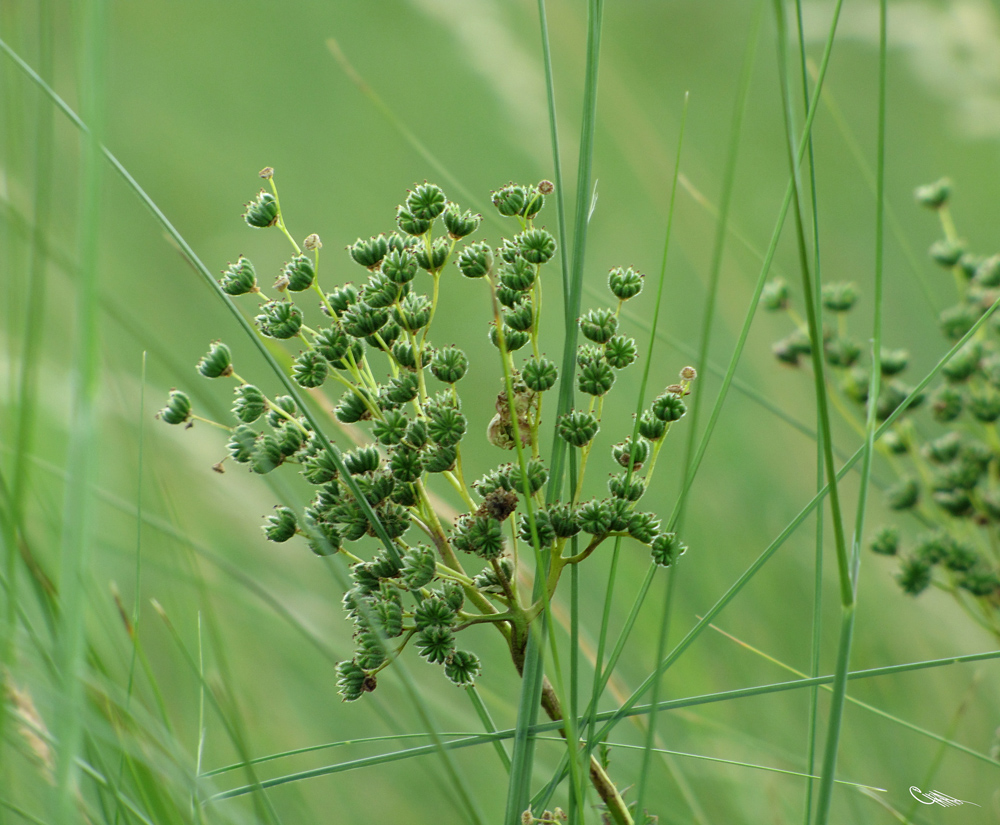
(617, 808)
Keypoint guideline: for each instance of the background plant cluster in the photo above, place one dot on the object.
(203, 647)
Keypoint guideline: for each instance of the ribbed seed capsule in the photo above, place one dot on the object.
(476, 260)
(281, 525)
(178, 408)
(250, 403)
(369, 253)
(239, 278)
(279, 319)
(217, 362)
(262, 211)
(300, 273)
(624, 283)
(449, 364)
(426, 201)
(460, 224)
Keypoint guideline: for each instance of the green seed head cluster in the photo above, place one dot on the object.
(371, 341)
(952, 480)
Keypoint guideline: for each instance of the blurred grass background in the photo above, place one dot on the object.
(201, 96)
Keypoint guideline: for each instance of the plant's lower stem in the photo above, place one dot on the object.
(618, 811)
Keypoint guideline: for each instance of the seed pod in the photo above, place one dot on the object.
(418, 567)
(894, 361)
(956, 321)
(624, 283)
(620, 351)
(933, 195)
(946, 404)
(596, 379)
(436, 644)
(667, 548)
(361, 460)
(178, 408)
(342, 297)
(440, 459)
(914, 576)
(462, 668)
(543, 528)
(241, 444)
(400, 266)
(426, 201)
(578, 427)
(475, 260)
(902, 495)
(262, 211)
(403, 389)
(391, 428)
(595, 517)
(839, 297)
(250, 403)
(279, 319)
(669, 407)
(433, 612)
(513, 339)
(946, 252)
(886, 541)
(436, 258)
(239, 278)
(651, 427)
(521, 317)
(332, 343)
(510, 200)
(841, 352)
(479, 535)
(299, 273)
(460, 224)
(518, 275)
(539, 374)
(218, 362)
(353, 407)
(446, 425)
(774, 296)
(360, 320)
(564, 520)
(598, 325)
(353, 682)
(537, 476)
(644, 527)
(628, 489)
(414, 312)
(536, 246)
(379, 292)
(410, 223)
(310, 369)
(449, 364)
(405, 464)
(266, 455)
(281, 525)
(369, 253)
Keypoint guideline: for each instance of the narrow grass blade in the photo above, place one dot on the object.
(77, 527)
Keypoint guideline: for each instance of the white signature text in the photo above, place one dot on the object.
(937, 798)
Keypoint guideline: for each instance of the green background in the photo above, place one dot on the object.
(203, 94)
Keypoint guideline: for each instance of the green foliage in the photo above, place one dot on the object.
(949, 478)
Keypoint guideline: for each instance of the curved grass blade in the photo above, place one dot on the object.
(608, 716)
